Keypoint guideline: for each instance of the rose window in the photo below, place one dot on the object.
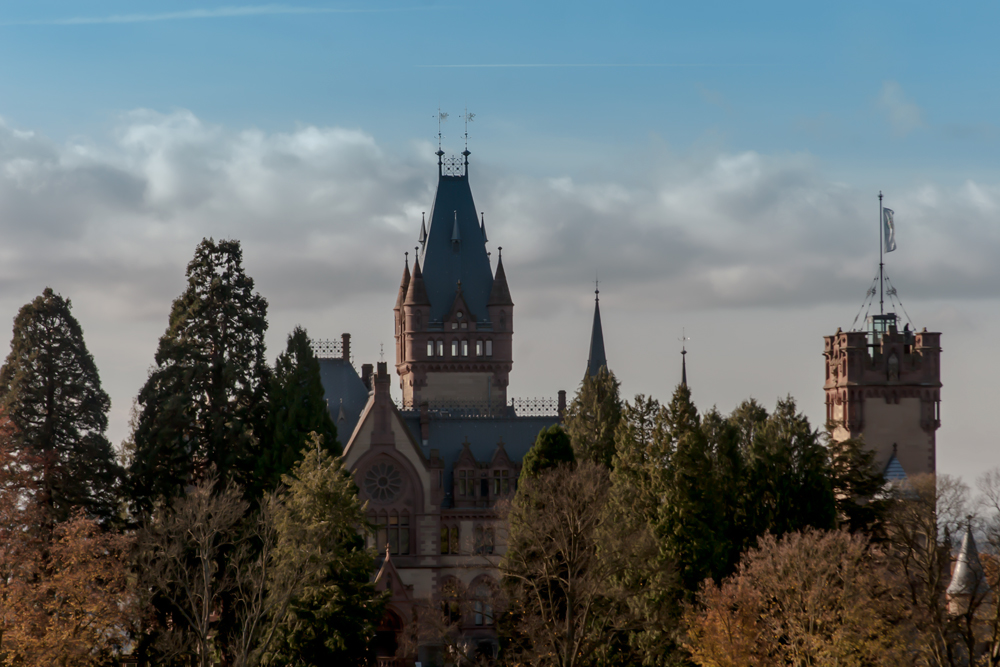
(382, 482)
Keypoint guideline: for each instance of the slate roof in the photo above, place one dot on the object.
(597, 357)
(894, 471)
(447, 435)
(456, 250)
(341, 381)
(968, 577)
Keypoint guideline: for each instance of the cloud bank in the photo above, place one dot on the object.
(325, 214)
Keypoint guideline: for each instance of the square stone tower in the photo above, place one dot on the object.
(884, 385)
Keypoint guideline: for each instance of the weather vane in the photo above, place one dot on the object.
(441, 117)
(381, 351)
(469, 117)
(683, 339)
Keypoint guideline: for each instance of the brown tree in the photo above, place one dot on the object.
(568, 600)
(812, 598)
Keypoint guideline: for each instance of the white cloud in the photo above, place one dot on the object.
(326, 213)
(903, 114)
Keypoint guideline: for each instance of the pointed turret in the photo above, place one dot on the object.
(500, 294)
(423, 229)
(455, 249)
(404, 283)
(968, 581)
(597, 356)
(482, 226)
(416, 294)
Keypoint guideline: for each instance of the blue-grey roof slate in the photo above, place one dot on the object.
(448, 434)
(445, 262)
(343, 386)
(597, 356)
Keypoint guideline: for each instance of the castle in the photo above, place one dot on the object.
(433, 468)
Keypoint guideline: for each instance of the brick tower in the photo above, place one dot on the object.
(454, 316)
(884, 385)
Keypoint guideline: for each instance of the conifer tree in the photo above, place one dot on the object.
(298, 408)
(203, 408)
(552, 448)
(332, 616)
(856, 486)
(593, 416)
(51, 392)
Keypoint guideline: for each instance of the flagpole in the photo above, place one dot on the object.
(881, 263)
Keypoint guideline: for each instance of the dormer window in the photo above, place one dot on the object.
(501, 482)
(454, 325)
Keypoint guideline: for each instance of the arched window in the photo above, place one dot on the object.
(489, 348)
(430, 348)
(449, 539)
(440, 351)
(482, 605)
(465, 348)
(479, 348)
(454, 348)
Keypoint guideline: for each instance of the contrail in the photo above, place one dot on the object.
(194, 14)
(529, 65)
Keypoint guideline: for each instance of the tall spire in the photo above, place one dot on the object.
(597, 356)
(684, 368)
(968, 581)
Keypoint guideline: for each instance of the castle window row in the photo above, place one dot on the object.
(465, 484)
(460, 348)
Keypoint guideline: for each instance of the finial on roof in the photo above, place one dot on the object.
(381, 351)
(442, 117)
(500, 252)
(468, 119)
(423, 228)
(406, 261)
(482, 227)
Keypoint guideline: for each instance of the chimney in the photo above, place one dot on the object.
(562, 402)
(366, 376)
(345, 347)
(382, 407)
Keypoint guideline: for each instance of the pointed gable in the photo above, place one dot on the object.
(456, 250)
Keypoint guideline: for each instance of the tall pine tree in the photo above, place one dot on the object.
(593, 416)
(204, 406)
(298, 409)
(51, 391)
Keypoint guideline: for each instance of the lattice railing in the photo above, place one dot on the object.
(521, 407)
(328, 349)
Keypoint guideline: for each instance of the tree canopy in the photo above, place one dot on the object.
(52, 394)
(592, 417)
(203, 408)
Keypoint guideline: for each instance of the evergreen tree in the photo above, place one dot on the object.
(857, 487)
(333, 614)
(551, 448)
(298, 408)
(204, 406)
(593, 416)
(51, 392)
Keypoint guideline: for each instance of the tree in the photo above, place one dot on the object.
(182, 564)
(203, 407)
(76, 604)
(332, 616)
(51, 391)
(809, 598)
(564, 552)
(593, 416)
(857, 487)
(298, 408)
(552, 448)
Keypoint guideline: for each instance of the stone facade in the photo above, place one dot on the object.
(884, 385)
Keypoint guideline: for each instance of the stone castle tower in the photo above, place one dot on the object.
(884, 385)
(454, 317)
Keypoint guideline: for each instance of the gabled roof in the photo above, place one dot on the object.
(345, 393)
(597, 357)
(456, 250)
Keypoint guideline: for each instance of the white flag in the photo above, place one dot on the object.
(888, 229)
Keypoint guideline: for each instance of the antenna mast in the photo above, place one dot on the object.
(881, 262)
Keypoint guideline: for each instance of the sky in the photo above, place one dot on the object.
(716, 164)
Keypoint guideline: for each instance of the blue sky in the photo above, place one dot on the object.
(718, 163)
